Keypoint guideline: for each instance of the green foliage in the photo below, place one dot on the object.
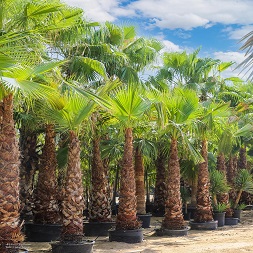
(220, 207)
(244, 181)
(218, 184)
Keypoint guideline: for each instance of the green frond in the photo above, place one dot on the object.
(127, 105)
(218, 184)
(244, 181)
(224, 65)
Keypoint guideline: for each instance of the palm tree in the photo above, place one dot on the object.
(17, 73)
(180, 107)
(210, 113)
(127, 105)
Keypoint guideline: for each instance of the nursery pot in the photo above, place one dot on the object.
(237, 214)
(209, 225)
(13, 248)
(97, 228)
(220, 217)
(145, 218)
(231, 221)
(172, 232)
(42, 232)
(128, 236)
(72, 247)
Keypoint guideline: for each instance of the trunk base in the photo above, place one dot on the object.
(145, 218)
(231, 221)
(210, 225)
(128, 236)
(42, 232)
(172, 232)
(98, 228)
(71, 247)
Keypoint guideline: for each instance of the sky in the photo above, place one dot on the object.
(214, 26)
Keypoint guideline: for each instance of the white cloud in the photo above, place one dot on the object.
(170, 47)
(96, 10)
(239, 33)
(171, 14)
(235, 57)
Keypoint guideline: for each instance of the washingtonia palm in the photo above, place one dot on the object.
(179, 109)
(127, 105)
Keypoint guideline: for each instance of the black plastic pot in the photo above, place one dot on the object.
(128, 236)
(231, 221)
(145, 218)
(14, 249)
(172, 232)
(237, 214)
(42, 232)
(98, 228)
(210, 225)
(220, 217)
(71, 247)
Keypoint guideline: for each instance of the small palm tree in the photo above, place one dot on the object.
(243, 182)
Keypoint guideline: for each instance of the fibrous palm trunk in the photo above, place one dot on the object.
(224, 197)
(73, 200)
(100, 208)
(160, 186)
(173, 205)
(29, 164)
(204, 207)
(127, 218)
(242, 160)
(9, 180)
(46, 204)
(231, 174)
(139, 181)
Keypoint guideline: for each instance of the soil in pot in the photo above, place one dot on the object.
(85, 246)
(98, 228)
(128, 236)
(145, 218)
(220, 217)
(42, 232)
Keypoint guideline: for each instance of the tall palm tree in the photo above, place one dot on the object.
(211, 112)
(180, 108)
(17, 73)
(127, 105)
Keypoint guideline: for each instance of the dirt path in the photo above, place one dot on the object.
(227, 239)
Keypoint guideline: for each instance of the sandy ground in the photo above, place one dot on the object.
(227, 239)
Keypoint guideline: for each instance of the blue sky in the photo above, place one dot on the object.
(214, 25)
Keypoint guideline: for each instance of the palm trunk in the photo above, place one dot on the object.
(100, 208)
(29, 164)
(231, 174)
(173, 205)
(160, 186)
(194, 190)
(46, 202)
(9, 180)
(204, 207)
(127, 218)
(139, 181)
(242, 161)
(224, 197)
(73, 200)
